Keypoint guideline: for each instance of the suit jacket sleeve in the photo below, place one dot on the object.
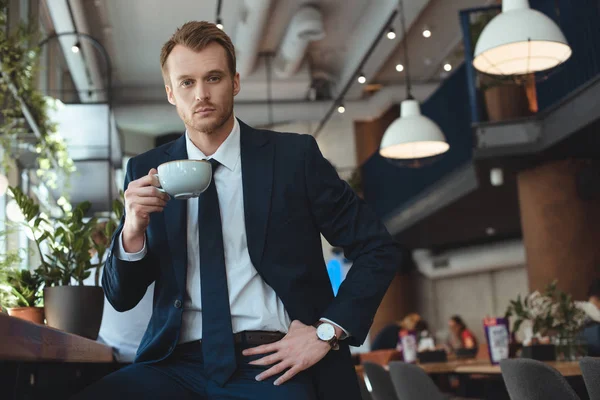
(126, 282)
(346, 221)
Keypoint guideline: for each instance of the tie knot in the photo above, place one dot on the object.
(214, 164)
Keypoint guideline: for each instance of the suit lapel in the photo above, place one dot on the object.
(176, 218)
(257, 153)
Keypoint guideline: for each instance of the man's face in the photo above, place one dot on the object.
(201, 87)
(595, 300)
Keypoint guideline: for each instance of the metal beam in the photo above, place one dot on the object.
(536, 134)
(460, 182)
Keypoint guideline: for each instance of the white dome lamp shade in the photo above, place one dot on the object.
(520, 41)
(412, 135)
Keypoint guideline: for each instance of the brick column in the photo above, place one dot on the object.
(560, 220)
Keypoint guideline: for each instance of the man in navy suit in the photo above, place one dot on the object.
(243, 306)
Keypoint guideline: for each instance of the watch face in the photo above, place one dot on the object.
(325, 332)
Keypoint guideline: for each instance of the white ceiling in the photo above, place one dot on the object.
(135, 30)
(140, 28)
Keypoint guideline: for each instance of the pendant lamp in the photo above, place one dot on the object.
(413, 135)
(520, 41)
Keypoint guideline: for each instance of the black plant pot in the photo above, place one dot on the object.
(75, 309)
(540, 352)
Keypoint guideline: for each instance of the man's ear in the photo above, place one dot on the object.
(236, 83)
(170, 96)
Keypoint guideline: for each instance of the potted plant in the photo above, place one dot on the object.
(555, 322)
(20, 289)
(66, 247)
(504, 97)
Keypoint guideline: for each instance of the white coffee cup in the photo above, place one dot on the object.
(184, 179)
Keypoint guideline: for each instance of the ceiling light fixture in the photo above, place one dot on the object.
(412, 135)
(427, 33)
(361, 78)
(496, 177)
(219, 22)
(391, 34)
(341, 109)
(399, 67)
(76, 47)
(520, 41)
(447, 67)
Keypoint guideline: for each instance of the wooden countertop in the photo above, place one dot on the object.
(483, 367)
(26, 341)
(566, 368)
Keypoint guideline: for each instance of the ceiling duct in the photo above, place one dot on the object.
(470, 260)
(248, 34)
(306, 26)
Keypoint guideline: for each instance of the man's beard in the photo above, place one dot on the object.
(208, 127)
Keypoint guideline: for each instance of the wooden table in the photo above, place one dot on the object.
(483, 367)
(566, 368)
(26, 341)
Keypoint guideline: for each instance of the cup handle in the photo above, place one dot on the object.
(160, 189)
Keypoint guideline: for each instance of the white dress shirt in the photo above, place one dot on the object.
(254, 304)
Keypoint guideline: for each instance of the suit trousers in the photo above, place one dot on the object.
(181, 376)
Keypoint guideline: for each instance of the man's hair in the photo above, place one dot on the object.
(594, 289)
(196, 36)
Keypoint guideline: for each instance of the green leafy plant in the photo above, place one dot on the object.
(68, 241)
(18, 66)
(104, 233)
(18, 287)
(551, 313)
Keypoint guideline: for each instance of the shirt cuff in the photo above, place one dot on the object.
(345, 333)
(125, 256)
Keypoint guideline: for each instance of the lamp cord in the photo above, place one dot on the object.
(405, 47)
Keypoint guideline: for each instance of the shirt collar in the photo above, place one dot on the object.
(228, 152)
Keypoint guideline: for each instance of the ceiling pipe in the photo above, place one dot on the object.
(248, 34)
(306, 26)
(62, 22)
(89, 51)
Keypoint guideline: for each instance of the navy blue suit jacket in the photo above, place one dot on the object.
(291, 194)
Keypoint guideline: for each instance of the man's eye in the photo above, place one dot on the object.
(214, 79)
(186, 83)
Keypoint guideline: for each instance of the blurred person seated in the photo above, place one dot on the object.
(591, 330)
(461, 341)
(387, 338)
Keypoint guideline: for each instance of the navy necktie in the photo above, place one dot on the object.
(218, 347)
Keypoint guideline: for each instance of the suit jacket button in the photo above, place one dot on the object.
(177, 303)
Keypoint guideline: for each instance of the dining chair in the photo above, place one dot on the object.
(378, 382)
(364, 392)
(528, 379)
(590, 367)
(412, 383)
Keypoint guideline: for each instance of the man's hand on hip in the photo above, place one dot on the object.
(300, 349)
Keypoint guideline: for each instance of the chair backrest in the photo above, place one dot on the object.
(412, 383)
(378, 382)
(528, 379)
(364, 392)
(590, 367)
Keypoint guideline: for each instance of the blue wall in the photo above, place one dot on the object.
(580, 22)
(387, 186)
